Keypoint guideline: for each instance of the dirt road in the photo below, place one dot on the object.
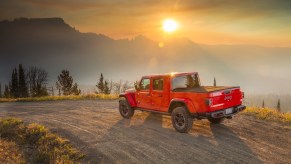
(96, 127)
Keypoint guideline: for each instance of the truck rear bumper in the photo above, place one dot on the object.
(226, 112)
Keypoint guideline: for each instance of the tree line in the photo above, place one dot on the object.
(107, 87)
(26, 83)
(32, 82)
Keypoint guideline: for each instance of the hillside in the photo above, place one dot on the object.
(54, 45)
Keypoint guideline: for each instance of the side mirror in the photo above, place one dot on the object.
(136, 86)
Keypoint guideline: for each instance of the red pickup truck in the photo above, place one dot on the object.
(181, 96)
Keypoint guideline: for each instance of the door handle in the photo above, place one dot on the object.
(160, 95)
(148, 94)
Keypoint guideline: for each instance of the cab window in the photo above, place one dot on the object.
(158, 84)
(145, 84)
(185, 82)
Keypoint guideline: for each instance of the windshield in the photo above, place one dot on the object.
(185, 82)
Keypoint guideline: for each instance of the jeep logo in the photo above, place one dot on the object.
(227, 98)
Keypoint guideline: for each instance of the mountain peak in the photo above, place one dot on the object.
(35, 27)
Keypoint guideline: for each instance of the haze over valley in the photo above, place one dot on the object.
(54, 45)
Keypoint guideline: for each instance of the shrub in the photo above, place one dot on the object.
(268, 114)
(12, 129)
(10, 153)
(46, 147)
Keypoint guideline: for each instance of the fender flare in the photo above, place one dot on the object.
(188, 104)
(130, 99)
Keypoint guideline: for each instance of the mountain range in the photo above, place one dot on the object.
(54, 45)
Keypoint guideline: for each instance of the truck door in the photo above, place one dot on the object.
(144, 95)
(157, 93)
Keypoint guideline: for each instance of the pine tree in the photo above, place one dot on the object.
(22, 85)
(9, 88)
(263, 104)
(65, 83)
(279, 105)
(214, 82)
(100, 84)
(6, 92)
(75, 90)
(106, 88)
(0, 90)
(14, 89)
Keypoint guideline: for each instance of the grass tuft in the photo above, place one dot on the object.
(268, 114)
(10, 153)
(41, 146)
(70, 97)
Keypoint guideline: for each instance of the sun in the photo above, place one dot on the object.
(170, 25)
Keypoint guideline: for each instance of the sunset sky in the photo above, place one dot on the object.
(260, 22)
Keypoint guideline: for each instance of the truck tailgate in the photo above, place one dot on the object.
(226, 98)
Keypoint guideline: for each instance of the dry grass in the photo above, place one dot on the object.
(10, 153)
(55, 98)
(38, 144)
(268, 114)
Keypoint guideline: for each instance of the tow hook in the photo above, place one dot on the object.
(229, 117)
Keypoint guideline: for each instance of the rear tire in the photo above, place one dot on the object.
(181, 120)
(216, 120)
(125, 109)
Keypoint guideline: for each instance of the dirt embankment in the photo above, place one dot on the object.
(96, 127)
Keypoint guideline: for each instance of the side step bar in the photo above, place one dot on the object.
(153, 111)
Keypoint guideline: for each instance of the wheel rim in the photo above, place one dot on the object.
(124, 109)
(179, 120)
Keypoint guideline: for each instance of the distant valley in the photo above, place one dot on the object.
(54, 45)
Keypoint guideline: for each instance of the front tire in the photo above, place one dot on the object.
(125, 109)
(216, 120)
(181, 120)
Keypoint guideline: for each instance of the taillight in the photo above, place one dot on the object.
(242, 95)
(208, 102)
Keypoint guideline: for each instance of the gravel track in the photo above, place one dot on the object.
(96, 127)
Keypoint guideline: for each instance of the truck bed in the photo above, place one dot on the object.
(204, 89)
